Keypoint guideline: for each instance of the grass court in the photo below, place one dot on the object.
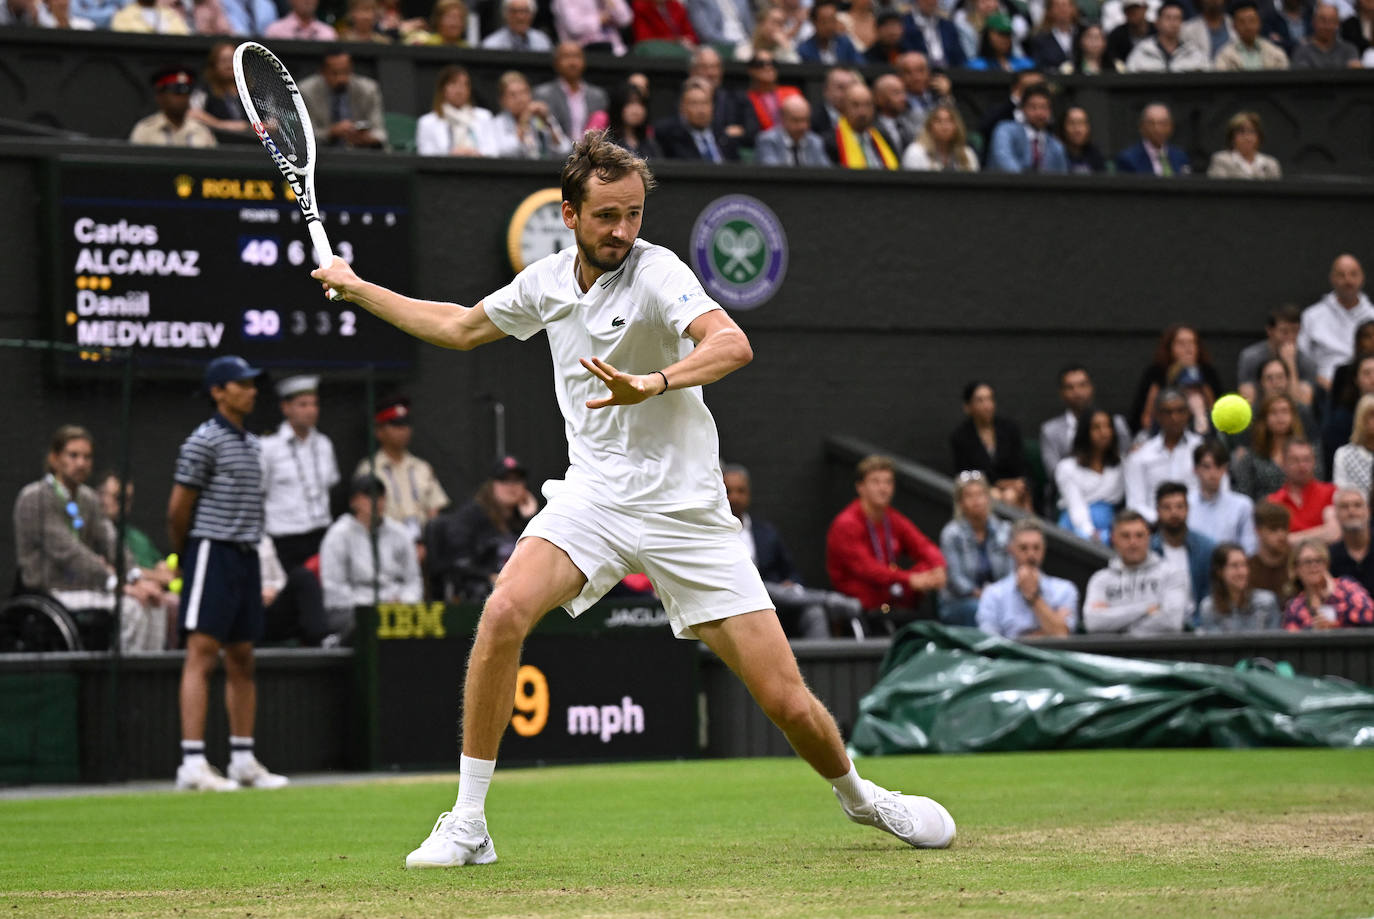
(1214, 833)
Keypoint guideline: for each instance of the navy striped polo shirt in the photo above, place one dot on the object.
(224, 464)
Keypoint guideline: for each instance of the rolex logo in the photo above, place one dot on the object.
(184, 185)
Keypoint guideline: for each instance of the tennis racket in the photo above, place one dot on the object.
(277, 112)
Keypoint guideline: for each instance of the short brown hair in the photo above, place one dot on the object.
(597, 155)
(65, 435)
(1271, 516)
(1126, 516)
(873, 463)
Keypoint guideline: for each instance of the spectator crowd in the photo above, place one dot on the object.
(1208, 531)
(888, 99)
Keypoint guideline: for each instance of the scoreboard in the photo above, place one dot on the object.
(183, 263)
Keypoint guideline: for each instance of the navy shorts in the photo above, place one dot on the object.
(221, 593)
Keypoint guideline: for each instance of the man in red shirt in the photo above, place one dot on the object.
(1308, 500)
(868, 540)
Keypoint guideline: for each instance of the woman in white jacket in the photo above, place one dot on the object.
(454, 126)
(1089, 480)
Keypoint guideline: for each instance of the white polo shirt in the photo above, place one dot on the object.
(1327, 335)
(297, 475)
(660, 455)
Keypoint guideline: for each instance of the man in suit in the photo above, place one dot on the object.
(1154, 155)
(924, 90)
(1008, 110)
(1052, 44)
(1056, 435)
(1028, 146)
(690, 136)
(571, 101)
(856, 143)
(804, 613)
(345, 109)
(828, 44)
(896, 118)
(728, 109)
(826, 116)
(934, 36)
(791, 143)
(721, 22)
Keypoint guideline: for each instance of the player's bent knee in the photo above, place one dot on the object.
(791, 709)
(505, 620)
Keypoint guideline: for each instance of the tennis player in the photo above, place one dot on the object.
(642, 492)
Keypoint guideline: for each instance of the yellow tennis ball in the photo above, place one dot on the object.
(1231, 414)
(175, 585)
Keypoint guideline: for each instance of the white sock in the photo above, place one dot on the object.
(240, 750)
(192, 752)
(474, 777)
(853, 790)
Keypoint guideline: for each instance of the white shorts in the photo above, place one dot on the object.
(694, 558)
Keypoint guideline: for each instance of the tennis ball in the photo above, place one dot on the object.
(1231, 414)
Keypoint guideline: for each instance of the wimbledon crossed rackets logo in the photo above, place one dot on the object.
(739, 251)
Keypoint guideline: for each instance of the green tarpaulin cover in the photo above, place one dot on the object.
(958, 690)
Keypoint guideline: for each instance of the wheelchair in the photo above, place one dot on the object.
(33, 622)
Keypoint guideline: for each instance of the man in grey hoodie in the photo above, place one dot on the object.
(1138, 593)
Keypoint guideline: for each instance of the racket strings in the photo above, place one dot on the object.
(276, 108)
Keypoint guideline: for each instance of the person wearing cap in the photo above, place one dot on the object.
(298, 469)
(214, 521)
(1122, 39)
(347, 573)
(413, 490)
(995, 48)
(468, 547)
(170, 126)
(150, 16)
(1167, 51)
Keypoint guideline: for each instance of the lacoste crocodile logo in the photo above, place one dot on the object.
(617, 322)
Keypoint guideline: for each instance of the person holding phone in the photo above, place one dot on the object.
(1321, 601)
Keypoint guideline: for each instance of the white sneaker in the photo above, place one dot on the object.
(254, 774)
(915, 820)
(455, 840)
(203, 777)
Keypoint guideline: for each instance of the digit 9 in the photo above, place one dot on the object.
(531, 701)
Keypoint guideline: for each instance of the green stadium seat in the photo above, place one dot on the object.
(400, 131)
(657, 47)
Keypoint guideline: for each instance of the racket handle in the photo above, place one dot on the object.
(326, 255)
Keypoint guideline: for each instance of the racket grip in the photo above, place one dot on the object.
(322, 250)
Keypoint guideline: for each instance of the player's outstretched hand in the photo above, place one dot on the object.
(626, 388)
(336, 276)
